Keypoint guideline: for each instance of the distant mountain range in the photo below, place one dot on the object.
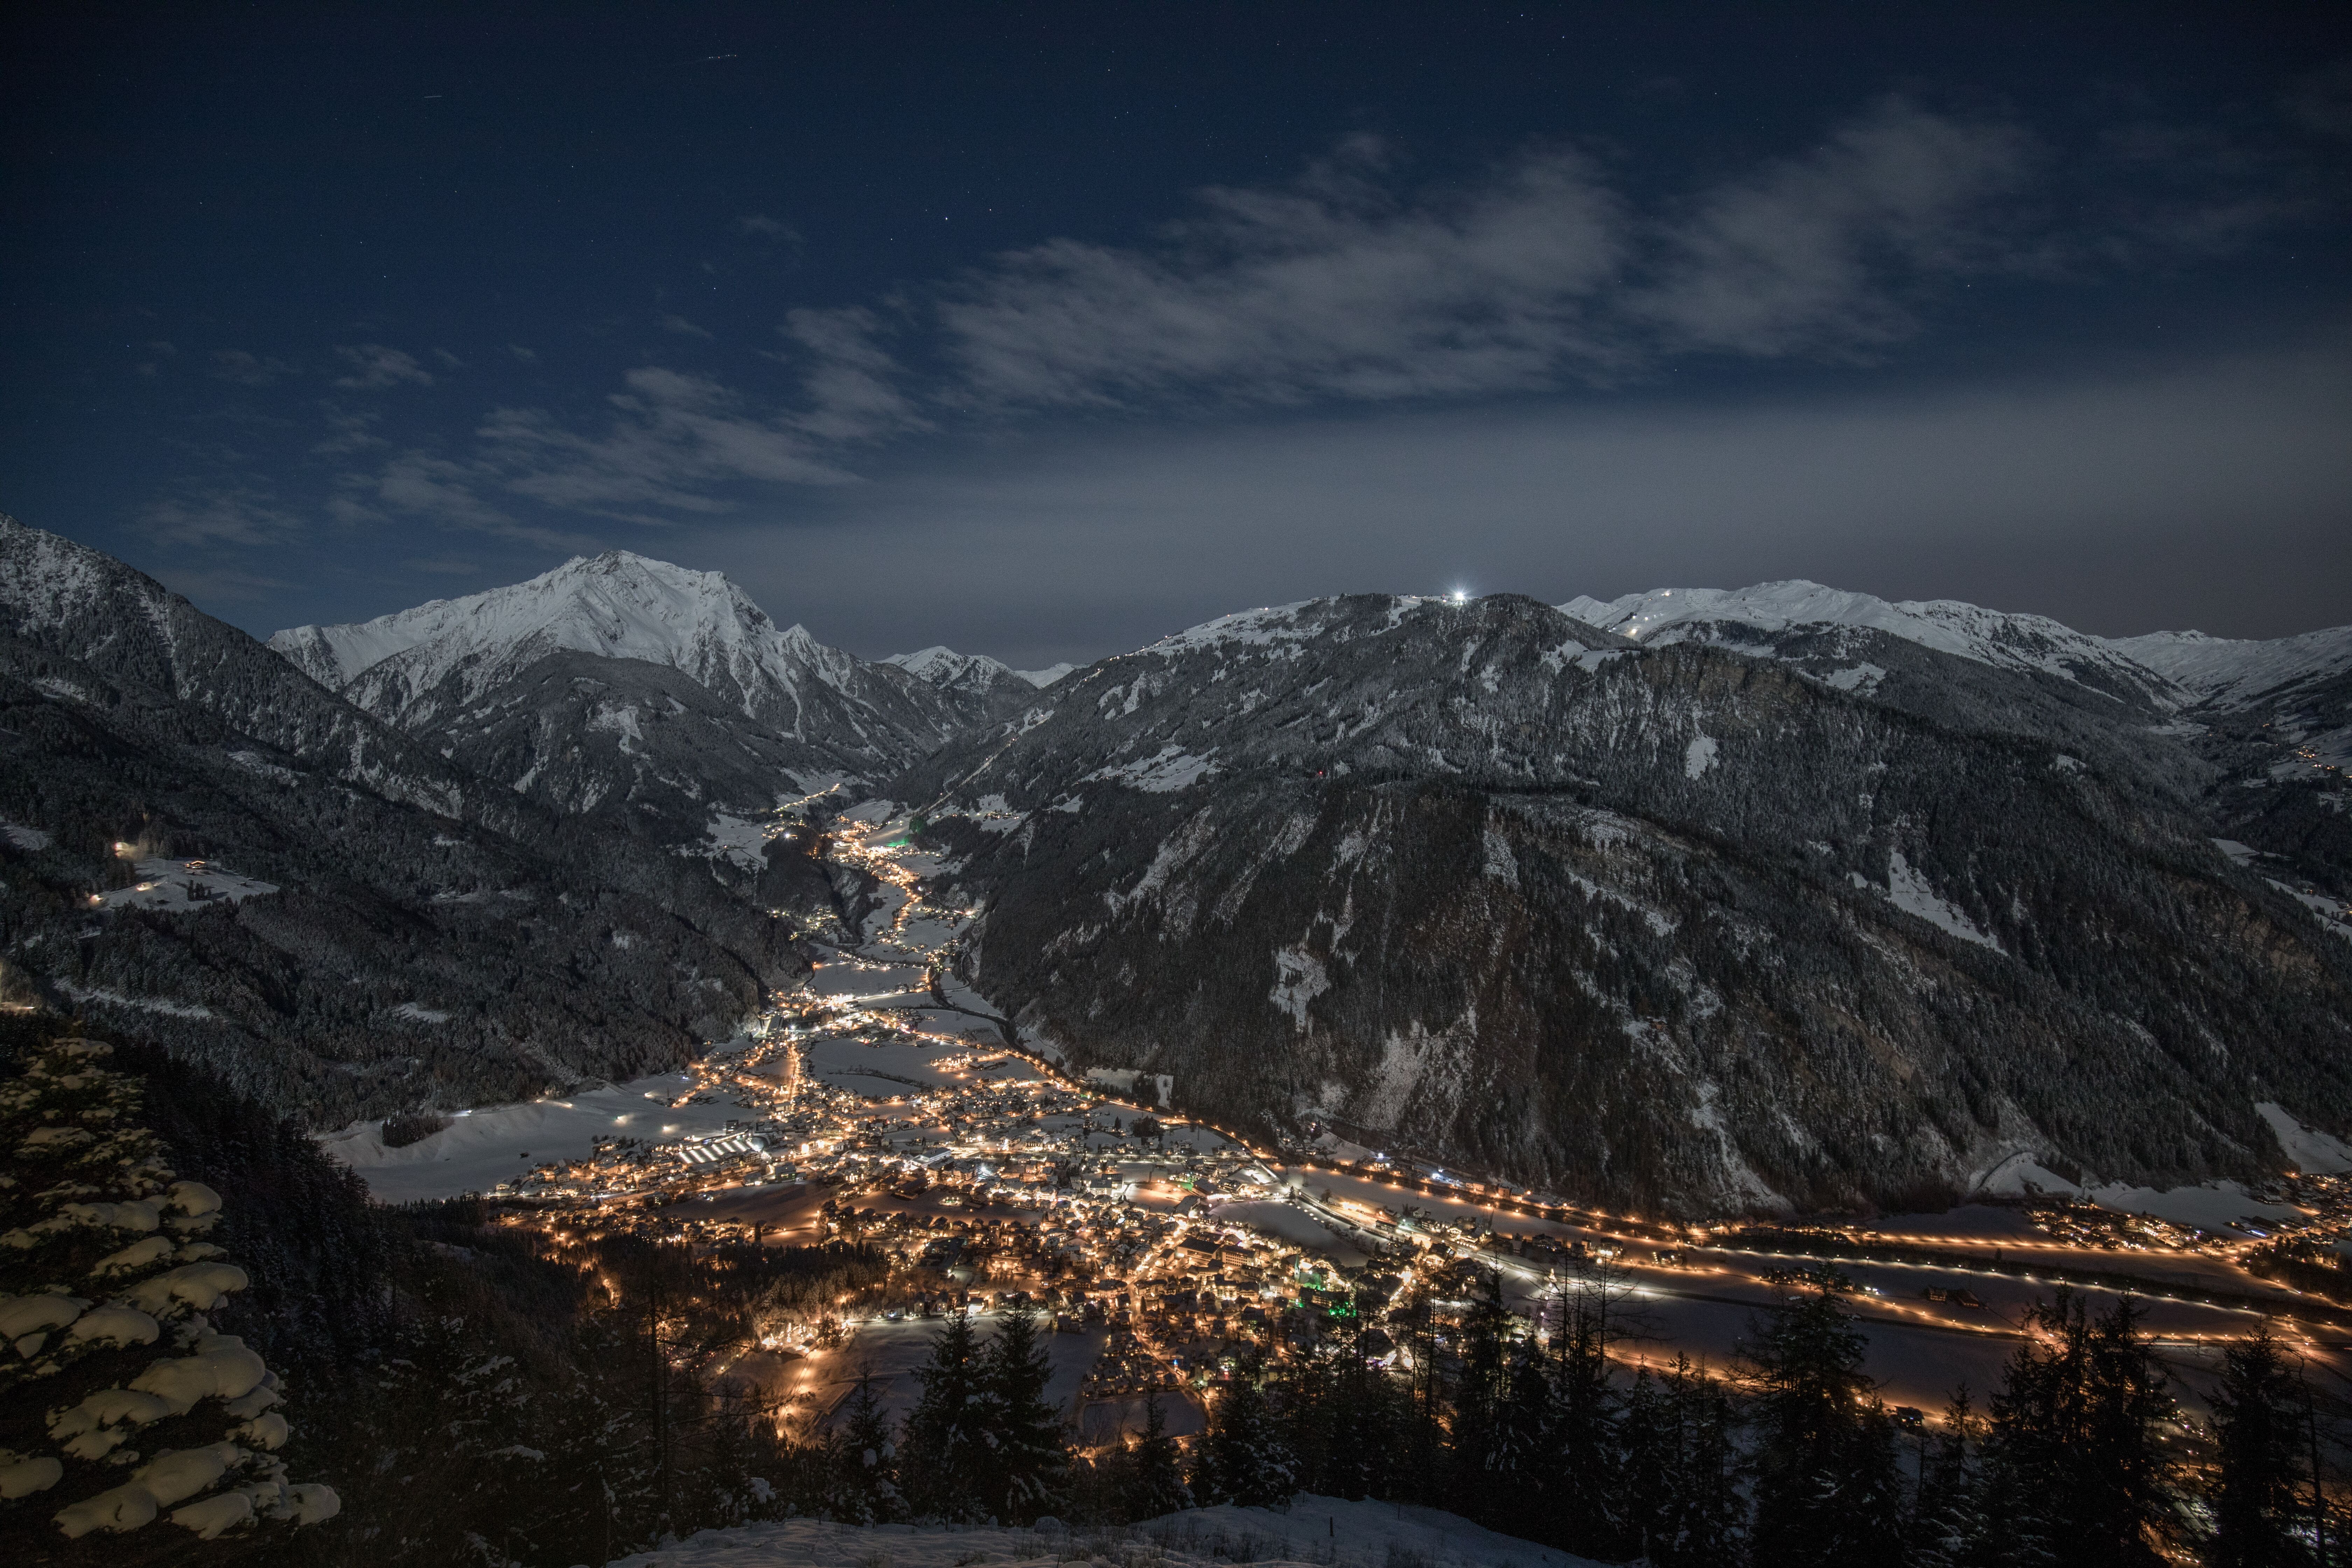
(1780, 896)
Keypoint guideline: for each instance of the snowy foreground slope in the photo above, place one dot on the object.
(1315, 1530)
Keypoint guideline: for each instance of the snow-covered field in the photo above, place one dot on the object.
(167, 884)
(479, 1149)
(1312, 1530)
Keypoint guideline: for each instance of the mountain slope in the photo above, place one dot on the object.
(466, 948)
(2224, 672)
(981, 687)
(1756, 619)
(1671, 926)
(422, 668)
(659, 701)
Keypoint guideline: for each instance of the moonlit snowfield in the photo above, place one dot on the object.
(1315, 1530)
(481, 1148)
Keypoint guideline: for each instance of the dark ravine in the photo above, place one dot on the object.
(1630, 922)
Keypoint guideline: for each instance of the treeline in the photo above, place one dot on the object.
(481, 1391)
(2082, 1455)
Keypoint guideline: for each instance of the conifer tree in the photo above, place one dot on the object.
(1824, 1449)
(1243, 1458)
(1474, 1438)
(1948, 1527)
(1155, 1478)
(1682, 1507)
(121, 1411)
(2076, 1438)
(862, 1464)
(1587, 1491)
(1027, 1470)
(944, 1451)
(2257, 1432)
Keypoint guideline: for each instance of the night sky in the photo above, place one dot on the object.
(1041, 331)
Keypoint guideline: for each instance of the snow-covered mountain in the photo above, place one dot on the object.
(556, 687)
(1041, 678)
(417, 664)
(1763, 618)
(1671, 924)
(2233, 673)
(983, 687)
(424, 935)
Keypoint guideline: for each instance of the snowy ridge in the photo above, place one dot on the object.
(943, 666)
(1746, 619)
(615, 605)
(1041, 679)
(2228, 672)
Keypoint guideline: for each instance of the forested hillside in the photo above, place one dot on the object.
(1679, 927)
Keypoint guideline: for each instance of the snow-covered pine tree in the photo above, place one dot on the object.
(862, 1464)
(944, 1453)
(1154, 1478)
(1028, 1466)
(120, 1409)
(1243, 1458)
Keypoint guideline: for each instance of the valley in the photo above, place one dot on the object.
(865, 1108)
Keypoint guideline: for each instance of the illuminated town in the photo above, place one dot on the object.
(876, 1109)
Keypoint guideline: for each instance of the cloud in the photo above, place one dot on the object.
(222, 585)
(1335, 287)
(670, 440)
(2322, 101)
(2094, 500)
(682, 327)
(349, 430)
(759, 223)
(226, 514)
(441, 490)
(1814, 255)
(374, 367)
(527, 356)
(249, 370)
(1533, 276)
(849, 381)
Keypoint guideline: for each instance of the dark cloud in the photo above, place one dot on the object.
(245, 513)
(374, 367)
(250, 369)
(2100, 501)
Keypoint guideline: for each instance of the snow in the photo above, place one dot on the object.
(742, 841)
(2310, 1149)
(1312, 1530)
(1172, 769)
(2003, 640)
(1041, 679)
(1247, 628)
(24, 838)
(144, 1003)
(1861, 679)
(164, 885)
(944, 668)
(2230, 672)
(2021, 1176)
(1698, 756)
(1298, 979)
(617, 605)
(2214, 1207)
(1908, 889)
(1285, 1222)
(481, 1148)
